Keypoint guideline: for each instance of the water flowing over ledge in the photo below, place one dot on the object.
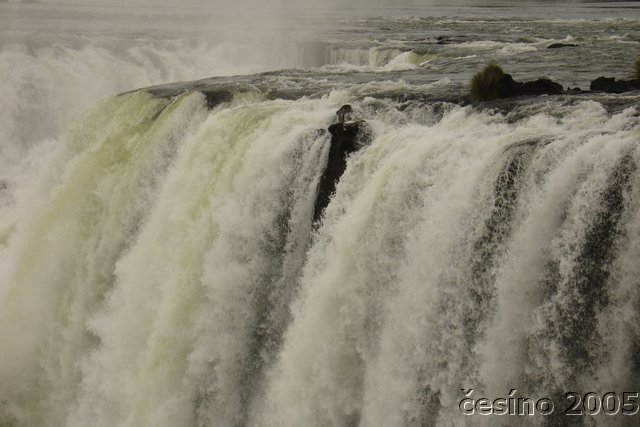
(162, 267)
(221, 252)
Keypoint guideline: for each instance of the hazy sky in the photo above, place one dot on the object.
(270, 3)
(257, 6)
(253, 5)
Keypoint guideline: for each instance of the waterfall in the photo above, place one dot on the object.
(161, 266)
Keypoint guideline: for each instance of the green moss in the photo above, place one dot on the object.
(637, 75)
(484, 84)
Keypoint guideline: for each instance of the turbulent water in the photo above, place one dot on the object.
(159, 264)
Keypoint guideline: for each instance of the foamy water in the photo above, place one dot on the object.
(158, 261)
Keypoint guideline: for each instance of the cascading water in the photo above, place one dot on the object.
(180, 258)
(171, 275)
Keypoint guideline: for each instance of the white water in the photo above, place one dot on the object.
(46, 88)
(57, 61)
(161, 267)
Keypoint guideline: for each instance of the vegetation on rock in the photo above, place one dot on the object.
(484, 84)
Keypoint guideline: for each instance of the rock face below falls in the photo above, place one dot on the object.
(345, 136)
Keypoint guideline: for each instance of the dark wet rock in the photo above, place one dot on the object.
(602, 84)
(452, 39)
(509, 88)
(541, 87)
(446, 40)
(346, 138)
(621, 86)
(493, 83)
(216, 97)
(574, 90)
(560, 45)
(611, 85)
(345, 114)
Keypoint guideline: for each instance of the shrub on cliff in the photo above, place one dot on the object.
(484, 84)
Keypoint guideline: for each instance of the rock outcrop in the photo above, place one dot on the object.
(493, 83)
(346, 136)
(509, 88)
(560, 45)
(611, 85)
(216, 97)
